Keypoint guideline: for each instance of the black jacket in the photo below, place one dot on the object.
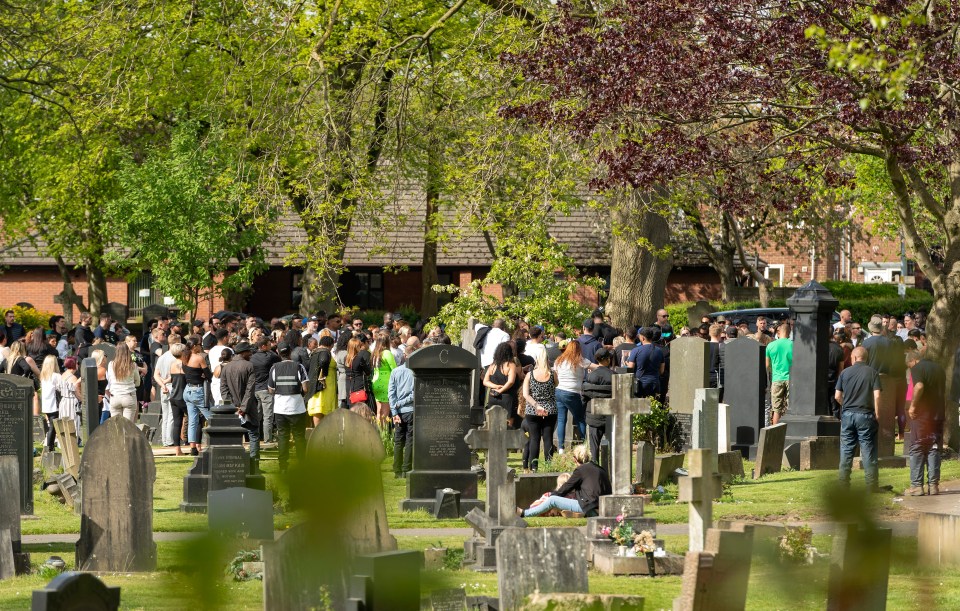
(590, 482)
(598, 385)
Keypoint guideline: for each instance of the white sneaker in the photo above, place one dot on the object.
(560, 451)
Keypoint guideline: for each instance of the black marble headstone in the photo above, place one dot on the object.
(153, 311)
(75, 591)
(91, 407)
(745, 392)
(447, 506)
(441, 458)
(809, 413)
(16, 431)
(386, 580)
(229, 467)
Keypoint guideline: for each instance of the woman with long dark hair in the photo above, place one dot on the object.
(196, 372)
(359, 371)
(503, 378)
(340, 358)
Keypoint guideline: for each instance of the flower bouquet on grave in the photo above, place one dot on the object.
(621, 533)
(644, 543)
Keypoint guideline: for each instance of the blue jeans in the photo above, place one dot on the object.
(554, 502)
(862, 426)
(194, 398)
(573, 402)
(923, 453)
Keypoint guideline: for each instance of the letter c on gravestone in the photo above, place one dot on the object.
(444, 356)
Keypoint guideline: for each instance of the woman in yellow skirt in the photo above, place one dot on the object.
(322, 385)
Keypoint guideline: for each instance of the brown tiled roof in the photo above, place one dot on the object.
(395, 238)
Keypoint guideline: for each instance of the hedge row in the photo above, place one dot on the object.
(31, 318)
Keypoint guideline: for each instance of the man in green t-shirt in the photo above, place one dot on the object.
(779, 360)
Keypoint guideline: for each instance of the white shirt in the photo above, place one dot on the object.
(163, 365)
(288, 405)
(533, 349)
(494, 338)
(48, 395)
(214, 356)
(570, 378)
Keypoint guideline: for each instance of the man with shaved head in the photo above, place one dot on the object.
(858, 393)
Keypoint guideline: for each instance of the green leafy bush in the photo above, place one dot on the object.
(659, 427)
(31, 318)
(857, 291)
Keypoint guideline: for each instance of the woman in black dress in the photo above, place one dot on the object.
(359, 371)
(503, 378)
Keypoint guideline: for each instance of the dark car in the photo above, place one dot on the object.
(750, 315)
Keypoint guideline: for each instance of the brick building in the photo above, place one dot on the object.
(384, 261)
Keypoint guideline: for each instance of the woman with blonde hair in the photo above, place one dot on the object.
(49, 382)
(359, 370)
(540, 417)
(123, 378)
(383, 363)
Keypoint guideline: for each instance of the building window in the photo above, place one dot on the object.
(370, 290)
(774, 273)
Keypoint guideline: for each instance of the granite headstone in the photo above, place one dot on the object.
(16, 409)
(73, 591)
(91, 404)
(745, 362)
(116, 523)
(770, 450)
(10, 511)
(441, 458)
(544, 560)
(859, 569)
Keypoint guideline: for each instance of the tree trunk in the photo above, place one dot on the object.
(96, 289)
(763, 284)
(431, 234)
(320, 291)
(728, 276)
(638, 277)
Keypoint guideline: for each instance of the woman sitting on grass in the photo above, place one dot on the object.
(589, 481)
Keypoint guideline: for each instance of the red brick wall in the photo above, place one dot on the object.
(692, 284)
(38, 285)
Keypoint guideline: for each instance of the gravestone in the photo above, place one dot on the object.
(690, 355)
(706, 419)
(809, 413)
(454, 599)
(496, 439)
(723, 428)
(730, 465)
(222, 464)
(241, 512)
(544, 560)
(386, 581)
(645, 454)
(745, 363)
(16, 435)
(604, 451)
(770, 450)
(622, 405)
(116, 520)
(153, 311)
(699, 489)
(66, 430)
(477, 390)
(717, 577)
(10, 513)
(479, 552)
(345, 433)
(441, 458)
(664, 466)
(8, 568)
(820, 454)
(91, 406)
(109, 350)
(531, 486)
(697, 311)
(118, 311)
(447, 506)
(70, 489)
(859, 569)
(76, 592)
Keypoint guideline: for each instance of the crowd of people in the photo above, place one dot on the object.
(287, 373)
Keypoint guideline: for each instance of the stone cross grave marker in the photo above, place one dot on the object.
(91, 407)
(496, 439)
(10, 512)
(717, 577)
(699, 489)
(116, 521)
(540, 559)
(66, 429)
(622, 405)
(16, 432)
(706, 424)
(72, 591)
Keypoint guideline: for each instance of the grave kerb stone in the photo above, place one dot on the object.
(622, 405)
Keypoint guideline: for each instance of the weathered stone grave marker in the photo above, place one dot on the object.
(645, 456)
(622, 405)
(66, 430)
(73, 591)
(770, 450)
(664, 467)
(116, 523)
(16, 435)
(10, 513)
(699, 489)
(716, 578)
(496, 439)
(544, 560)
(706, 419)
(691, 355)
(441, 458)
